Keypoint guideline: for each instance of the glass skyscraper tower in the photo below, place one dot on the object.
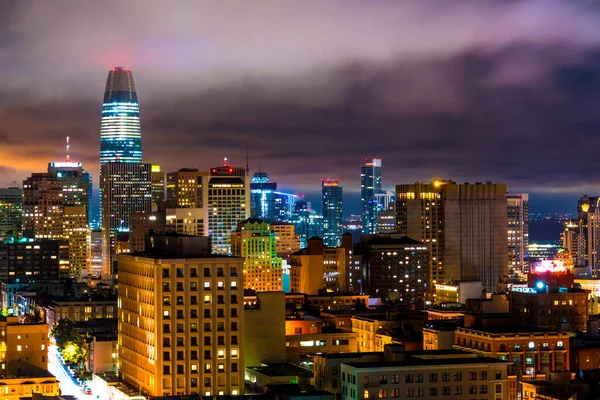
(332, 212)
(120, 132)
(370, 186)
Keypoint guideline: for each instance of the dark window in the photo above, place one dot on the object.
(193, 272)
(180, 369)
(234, 312)
(166, 272)
(194, 354)
(234, 367)
(207, 354)
(180, 286)
(180, 272)
(207, 327)
(179, 327)
(207, 272)
(234, 299)
(206, 313)
(194, 313)
(179, 341)
(220, 313)
(166, 370)
(180, 355)
(233, 271)
(180, 314)
(166, 342)
(220, 299)
(194, 300)
(220, 272)
(207, 340)
(166, 328)
(166, 355)
(194, 340)
(221, 340)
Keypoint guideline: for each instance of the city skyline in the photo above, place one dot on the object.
(202, 93)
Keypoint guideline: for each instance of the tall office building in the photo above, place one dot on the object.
(120, 131)
(518, 231)
(11, 212)
(76, 183)
(43, 206)
(41, 259)
(571, 238)
(370, 185)
(185, 188)
(181, 321)
(332, 212)
(262, 197)
(256, 244)
(284, 206)
(307, 222)
(228, 202)
(464, 225)
(126, 188)
(158, 185)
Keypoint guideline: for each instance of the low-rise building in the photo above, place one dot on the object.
(533, 350)
(43, 383)
(277, 374)
(458, 292)
(265, 342)
(439, 335)
(81, 309)
(23, 348)
(328, 341)
(427, 377)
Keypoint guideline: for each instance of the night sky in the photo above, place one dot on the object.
(470, 91)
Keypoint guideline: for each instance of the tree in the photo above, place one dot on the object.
(62, 332)
(34, 317)
(75, 350)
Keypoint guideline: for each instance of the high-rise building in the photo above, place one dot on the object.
(318, 267)
(464, 225)
(307, 222)
(38, 259)
(181, 321)
(43, 206)
(228, 201)
(120, 131)
(518, 231)
(572, 239)
(256, 244)
(76, 212)
(11, 212)
(76, 184)
(262, 197)
(286, 240)
(386, 214)
(332, 212)
(158, 185)
(284, 206)
(185, 188)
(126, 188)
(370, 185)
(395, 266)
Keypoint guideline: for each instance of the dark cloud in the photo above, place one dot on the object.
(507, 92)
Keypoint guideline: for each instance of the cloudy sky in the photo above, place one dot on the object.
(471, 91)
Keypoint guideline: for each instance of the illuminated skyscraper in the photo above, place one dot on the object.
(370, 185)
(185, 188)
(126, 188)
(182, 325)
(120, 132)
(158, 184)
(307, 222)
(464, 225)
(262, 197)
(11, 212)
(332, 212)
(227, 194)
(43, 206)
(256, 243)
(518, 231)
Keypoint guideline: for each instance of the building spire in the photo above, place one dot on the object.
(68, 147)
(247, 161)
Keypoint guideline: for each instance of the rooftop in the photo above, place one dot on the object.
(516, 329)
(416, 361)
(282, 369)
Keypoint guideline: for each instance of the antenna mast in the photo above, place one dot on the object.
(247, 161)
(67, 149)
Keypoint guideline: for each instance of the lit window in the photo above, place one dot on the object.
(207, 393)
(43, 347)
(19, 348)
(234, 353)
(194, 367)
(221, 353)
(366, 394)
(307, 343)
(207, 298)
(166, 313)
(234, 392)
(233, 285)
(221, 367)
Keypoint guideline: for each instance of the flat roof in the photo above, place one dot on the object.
(514, 329)
(282, 369)
(414, 361)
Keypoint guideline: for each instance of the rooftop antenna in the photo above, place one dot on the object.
(247, 161)
(67, 160)
(14, 185)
